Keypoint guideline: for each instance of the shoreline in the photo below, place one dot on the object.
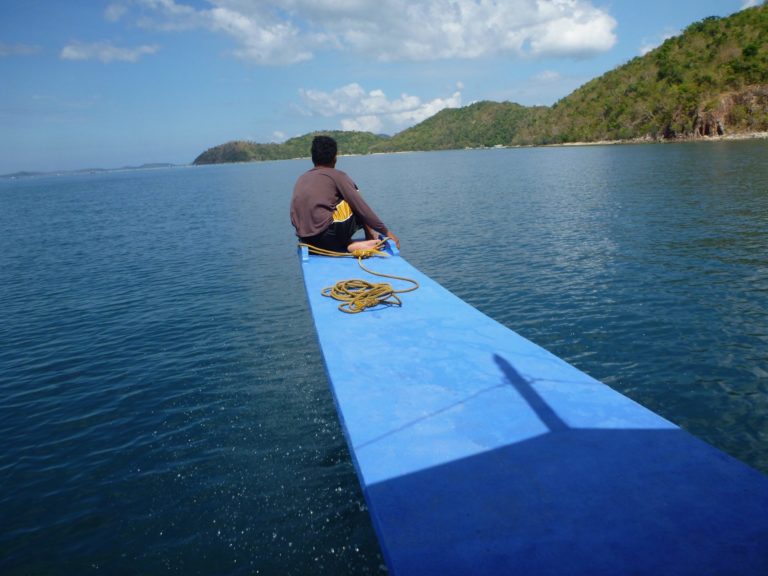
(681, 139)
(645, 140)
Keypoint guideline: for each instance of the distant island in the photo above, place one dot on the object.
(151, 166)
(711, 81)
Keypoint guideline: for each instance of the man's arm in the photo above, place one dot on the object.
(391, 236)
(372, 234)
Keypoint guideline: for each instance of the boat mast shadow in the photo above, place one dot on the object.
(543, 410)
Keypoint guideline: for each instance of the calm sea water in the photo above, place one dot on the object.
(163, 404)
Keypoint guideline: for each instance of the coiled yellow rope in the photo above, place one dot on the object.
(358, 295)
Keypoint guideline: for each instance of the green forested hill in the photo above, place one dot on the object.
(299, 147)
(479, 124)
(710, 80)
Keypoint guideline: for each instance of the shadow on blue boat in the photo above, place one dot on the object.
(578, 502)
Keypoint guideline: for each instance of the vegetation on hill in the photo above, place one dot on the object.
(479, 124)
(711, 80)
(299, 147)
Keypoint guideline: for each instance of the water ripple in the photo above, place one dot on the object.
(164, 405)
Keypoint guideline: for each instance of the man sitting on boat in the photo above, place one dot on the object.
(327, 208)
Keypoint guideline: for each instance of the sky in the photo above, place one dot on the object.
(113, 83)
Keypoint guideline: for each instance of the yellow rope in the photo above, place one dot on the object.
(357, 295)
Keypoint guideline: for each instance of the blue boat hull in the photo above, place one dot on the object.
(480, 452)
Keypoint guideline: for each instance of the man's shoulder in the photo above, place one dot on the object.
(338, 176)
(317, 172)
(333, 172)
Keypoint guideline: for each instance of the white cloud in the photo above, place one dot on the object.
(749, 4)
(286, 31)
(260, 30)
(570, 28)
(363, 124)
(105, 52)
(261, 39)
(168, 6)
(373, 111)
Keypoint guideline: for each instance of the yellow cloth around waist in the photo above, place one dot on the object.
(342, 212)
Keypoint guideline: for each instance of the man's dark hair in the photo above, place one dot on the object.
(323, 150)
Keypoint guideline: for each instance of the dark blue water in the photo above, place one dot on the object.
(163, 404)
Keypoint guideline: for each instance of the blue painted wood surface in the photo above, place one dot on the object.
(480, 452)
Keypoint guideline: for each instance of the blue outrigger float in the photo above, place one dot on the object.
(480, 452)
